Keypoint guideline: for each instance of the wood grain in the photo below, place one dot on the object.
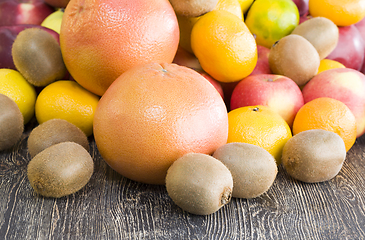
(113, 207)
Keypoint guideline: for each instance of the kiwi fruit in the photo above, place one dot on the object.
(253, 168)
(193, 8)
(314, 155)
(294, 57)
(37, 56)
(60, 170)
(52, 132)
(321, 32)
(11, 122)
(199, 183)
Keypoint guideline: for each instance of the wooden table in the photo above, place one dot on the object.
(113, 207)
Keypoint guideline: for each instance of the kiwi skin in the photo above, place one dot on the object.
(37, 56)
(11, 123)
(314, 155)
(60, 170)
(253, 168)
(321, 32)
(193, 8)
(294, 57)
(52, 132)
(199, 183)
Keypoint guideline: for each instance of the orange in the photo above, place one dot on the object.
(155, 113)
(186, 24)
(102, 39)
(16, 87)
(271, 20)
(260, 126)
(69, 101)
(327, 64)
(341, 12)
(327, 114)
(224, 46)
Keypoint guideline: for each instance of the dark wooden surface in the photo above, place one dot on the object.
(113, 207)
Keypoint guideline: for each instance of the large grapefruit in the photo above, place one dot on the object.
(100, 39)
(155, 113)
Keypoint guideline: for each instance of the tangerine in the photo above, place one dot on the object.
(155, 113)
(261, 126)
(327, 114)
(341, 12)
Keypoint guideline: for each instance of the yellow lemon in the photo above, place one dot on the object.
(15, 86)
(245, 5)
(69, 101)
(224, 46)
(53, 21)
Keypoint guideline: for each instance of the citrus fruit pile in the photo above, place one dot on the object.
(210, 96)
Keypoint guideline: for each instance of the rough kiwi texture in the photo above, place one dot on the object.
(60, 170)
(314, 155)
(295, 57)
(253, 168)
(37, 56)
(199, 183)
(11, 123)
(52, 132)
(321, 32)
(193, 8)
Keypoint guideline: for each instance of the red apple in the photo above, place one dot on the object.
(214, 82)
(361, 27)
(57, 3)
(7, 36)
(262, 65)
(302, 6)
(344, 84)
(350, 48)
(14, 12)
(278, 92)
(187, 59)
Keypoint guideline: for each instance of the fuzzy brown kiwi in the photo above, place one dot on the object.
(295, 57)
(199, 183)
(314, 155)
(11, 123)
(52, 132)
(321, 32)
(253, 168)
(37, 56)
(193, 8)
(60, 170)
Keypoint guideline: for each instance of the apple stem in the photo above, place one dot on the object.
(255, 109)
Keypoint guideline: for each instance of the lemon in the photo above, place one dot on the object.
(15, 86)
(69, 101)
(53, 21)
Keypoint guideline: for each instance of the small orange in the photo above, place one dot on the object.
(261, 126)
(186, 24)
(327, 64)
(327, 114)
(155, 113)
(69, 101)
(224, 46)
(102, 39)
(341, 12)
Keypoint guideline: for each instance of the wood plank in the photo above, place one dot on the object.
(113, 207)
